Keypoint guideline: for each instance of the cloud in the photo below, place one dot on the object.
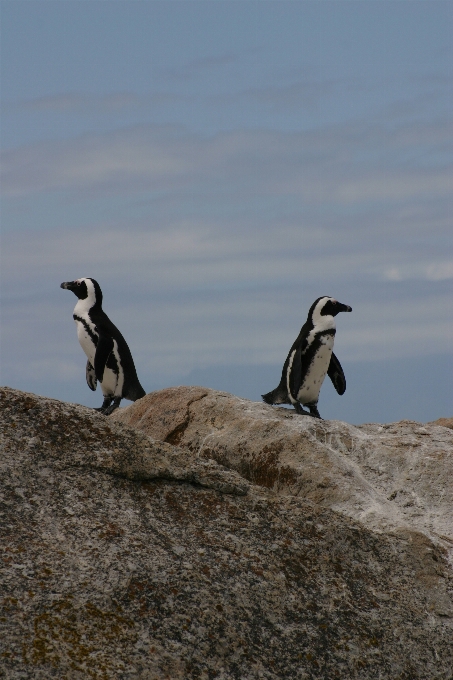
(86, 103)
(302, 94)
(400, 326)
(80, 102)
(139, 158)
(235, 251)
(185, 255)
(174, 330)
(210, 250)
(343, 164)
(432, 271)
(198, 67)
(194, 292)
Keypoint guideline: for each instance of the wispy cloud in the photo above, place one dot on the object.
(233, 237)
(199, 66)
(431, 271)
(300, 95)
(172, 331)
(87, 104)
(343, 163)
(80, 102)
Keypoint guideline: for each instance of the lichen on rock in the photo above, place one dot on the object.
(128, 557)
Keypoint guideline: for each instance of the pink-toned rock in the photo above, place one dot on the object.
(398, 475)
(169, 409)
(444, 422)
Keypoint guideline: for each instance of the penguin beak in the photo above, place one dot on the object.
(68, 285)
(345, 308)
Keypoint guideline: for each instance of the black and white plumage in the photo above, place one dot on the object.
(310, 359)
(109, 358)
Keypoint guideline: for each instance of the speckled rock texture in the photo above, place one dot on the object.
(127, 557)
(398, 475)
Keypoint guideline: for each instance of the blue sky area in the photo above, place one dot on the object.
(217, 166)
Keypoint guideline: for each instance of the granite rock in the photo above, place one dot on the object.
(444, 422)
(389, 477)
(128, 557)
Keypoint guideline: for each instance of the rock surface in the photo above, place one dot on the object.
(127, 557)
(398, 475)
(445, 422)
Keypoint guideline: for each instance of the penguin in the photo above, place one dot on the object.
(310, 359)
(109, 358)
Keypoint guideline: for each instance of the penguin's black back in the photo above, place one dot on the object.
(280, 394)
(132, 388)
(299, 343)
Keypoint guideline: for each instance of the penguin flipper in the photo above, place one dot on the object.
(295, 375)
(335, 373)
(103, 349)
(92, 381)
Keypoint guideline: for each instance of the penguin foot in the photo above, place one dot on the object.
(105, 404)
(112, 407)
(298, 408)
(314, 410)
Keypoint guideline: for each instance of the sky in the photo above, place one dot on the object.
(217, 166)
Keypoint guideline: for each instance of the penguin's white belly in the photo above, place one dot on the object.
(112, 383)
(109, 383)
(86, 341)
(309, 390)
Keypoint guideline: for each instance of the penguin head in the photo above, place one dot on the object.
(85, 289)
(326, 306)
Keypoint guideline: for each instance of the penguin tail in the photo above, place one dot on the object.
(137, 392)
(277, 396)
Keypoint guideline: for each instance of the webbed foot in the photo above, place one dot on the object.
(298, 408)
(112, 407)
(314, 410)
(105, 404)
